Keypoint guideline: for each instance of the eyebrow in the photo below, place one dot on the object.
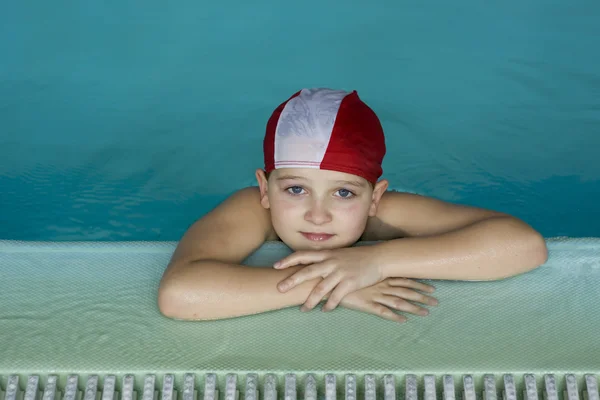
(352, 183)
(288, 177)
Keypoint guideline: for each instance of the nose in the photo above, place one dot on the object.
(318, 213)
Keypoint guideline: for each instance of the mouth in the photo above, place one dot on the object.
(317, 237)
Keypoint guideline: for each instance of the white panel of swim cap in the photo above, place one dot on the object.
(305, 126)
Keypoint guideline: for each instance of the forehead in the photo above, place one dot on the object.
(318, 176)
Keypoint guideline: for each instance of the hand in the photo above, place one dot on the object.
(343, 271)
(391, 294)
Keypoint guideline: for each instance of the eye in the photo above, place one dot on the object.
(345, 193)
(295, 190)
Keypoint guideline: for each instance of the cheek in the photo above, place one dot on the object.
(288, 204)
(354, 207)
(285, 206)
(354, 214)
(283, 209)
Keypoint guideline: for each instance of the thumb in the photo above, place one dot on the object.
(298, 258)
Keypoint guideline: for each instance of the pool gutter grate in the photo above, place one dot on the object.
(290, 387)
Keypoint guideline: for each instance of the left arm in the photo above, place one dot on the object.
(442, 240)
(492, 248)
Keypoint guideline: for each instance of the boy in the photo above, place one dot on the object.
(320, 193)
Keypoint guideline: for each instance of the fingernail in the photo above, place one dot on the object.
(303, 309)
(277, 264)
(424, 313)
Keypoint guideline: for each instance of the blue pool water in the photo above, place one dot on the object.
(129, 120)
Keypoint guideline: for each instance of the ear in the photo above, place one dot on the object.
(263, 185)
(378, 191)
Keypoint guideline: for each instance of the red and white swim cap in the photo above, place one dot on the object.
(325, 129)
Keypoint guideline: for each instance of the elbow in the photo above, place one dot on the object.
(532, 253)
(189, 295)
(530, 244)
(533, 249)
(176, 299)
(539, 250)
(169, 299)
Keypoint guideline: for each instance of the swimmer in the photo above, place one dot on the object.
(320, 192)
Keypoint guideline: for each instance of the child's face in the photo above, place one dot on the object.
(318, 209)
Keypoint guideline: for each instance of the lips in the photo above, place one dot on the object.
(317, 237)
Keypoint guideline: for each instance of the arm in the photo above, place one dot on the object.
(490, 249)
(204, 279)
(205, 290)
(233, 290)
(448, 241)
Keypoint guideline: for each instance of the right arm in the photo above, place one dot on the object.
(205, 279)
(205, 290)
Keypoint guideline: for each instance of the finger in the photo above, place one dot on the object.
(409, 294)
(377, 309)
(338, 294)
(402, 305)
(411, 284)
(300, 258)
(385, 313)
(324, 287)
(303, 275)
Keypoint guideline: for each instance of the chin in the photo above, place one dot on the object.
(320, 246)
(334, 243)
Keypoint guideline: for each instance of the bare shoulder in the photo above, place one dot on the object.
(228, 233)
(406, 214)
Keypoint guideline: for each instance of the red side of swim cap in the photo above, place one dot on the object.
(325, 129)
(357, 144)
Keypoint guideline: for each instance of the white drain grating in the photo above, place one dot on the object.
(307, 387)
